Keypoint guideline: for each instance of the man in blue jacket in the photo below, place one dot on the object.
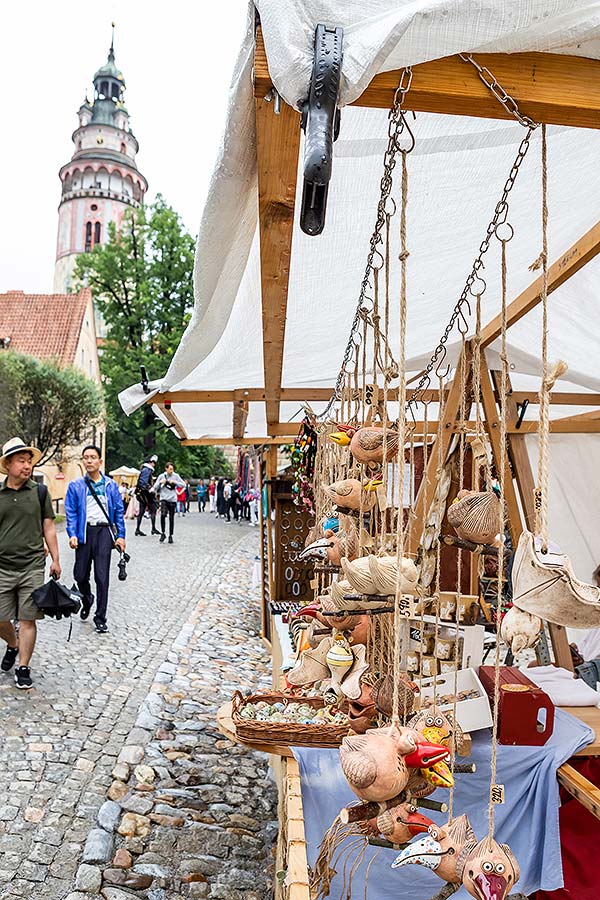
(94, 512)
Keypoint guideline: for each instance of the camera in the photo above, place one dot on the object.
(122, 565)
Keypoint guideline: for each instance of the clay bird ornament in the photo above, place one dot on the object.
(520, 629)
(369, 444)
(335, 664)
(401, 823)
(475, 516)
(377, 765)
(334, 544)
(486, 869)
(349, 494)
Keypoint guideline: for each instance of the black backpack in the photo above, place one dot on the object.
(57, 601)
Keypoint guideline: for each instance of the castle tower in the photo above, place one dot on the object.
(101, 181)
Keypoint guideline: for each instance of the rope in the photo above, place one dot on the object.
(459, 557)
(438, 546)
(401, 440)
(501, 478)
(541, 505)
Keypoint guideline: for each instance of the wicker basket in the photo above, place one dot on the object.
(287, 733)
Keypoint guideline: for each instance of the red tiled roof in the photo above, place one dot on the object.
(47, 326)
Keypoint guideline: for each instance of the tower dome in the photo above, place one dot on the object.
(101, 180)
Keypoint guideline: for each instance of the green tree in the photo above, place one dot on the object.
(142, 283)
(48, 405)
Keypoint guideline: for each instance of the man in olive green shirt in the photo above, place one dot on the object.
(26, 521)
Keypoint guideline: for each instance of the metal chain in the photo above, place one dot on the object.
(396, 126)
(475, 284)
(509, 103)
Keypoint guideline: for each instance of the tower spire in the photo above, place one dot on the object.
(111, 52)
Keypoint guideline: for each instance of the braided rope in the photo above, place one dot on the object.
(401, 440)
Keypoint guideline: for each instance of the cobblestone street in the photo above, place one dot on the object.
(113, 779)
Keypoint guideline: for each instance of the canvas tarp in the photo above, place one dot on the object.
(457, 171)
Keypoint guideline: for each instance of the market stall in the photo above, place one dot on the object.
(417, 296)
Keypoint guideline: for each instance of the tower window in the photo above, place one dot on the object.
(94, 207)
(88, 237)
(97, 232)
(123, 148)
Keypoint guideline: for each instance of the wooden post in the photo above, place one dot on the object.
(521, 467)
(427, 486)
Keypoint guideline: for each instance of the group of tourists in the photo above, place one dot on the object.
(95, 525)
(228, 498)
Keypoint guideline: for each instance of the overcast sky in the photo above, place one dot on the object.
(176, 57)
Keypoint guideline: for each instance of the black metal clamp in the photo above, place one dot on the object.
(321, 125)
(521, 409)
(144, 382)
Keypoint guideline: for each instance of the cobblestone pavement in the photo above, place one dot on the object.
(183, 635)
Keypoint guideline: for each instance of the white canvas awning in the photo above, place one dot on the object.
(457, 171)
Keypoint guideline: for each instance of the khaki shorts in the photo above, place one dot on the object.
(16, 589)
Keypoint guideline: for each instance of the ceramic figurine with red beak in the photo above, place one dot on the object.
(378, 764)
(490, 871)
(401, 823)
(486, 869)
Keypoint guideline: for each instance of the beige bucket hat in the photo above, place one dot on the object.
(17, 445)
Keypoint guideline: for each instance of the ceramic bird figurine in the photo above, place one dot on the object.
(378, 574)
(520, 629)
(475, 516)
(486, 869)
(367, 445)
(489, 870)
(441, 849)
(347, 494)
(438, 775)
(373, 763)
(335, 544)
(377, 764)
(438, 727)
(401, 823)
(343, 435)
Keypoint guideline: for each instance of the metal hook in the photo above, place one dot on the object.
(410, 148)
(440, 361)
(464, 328)
(478, 286)
(380, 255)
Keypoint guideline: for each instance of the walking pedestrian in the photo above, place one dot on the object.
(234, 503)
(201, 492)
(26, 521)
(181, 501)
(212, 495)
(227, 500)
(145, 496)
(166, 488)
(220, 494)
(188, 495)
(94, 513)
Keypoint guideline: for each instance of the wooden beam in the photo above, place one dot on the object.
(298, 395)
(580, 787)
(232, 442)
(519, 456)
(426, 488)
(173, 420)
(551, 88)
(277, 147)
(582, 251)
(492, 425)
(559, 398)
(569, 425)
(240, 416)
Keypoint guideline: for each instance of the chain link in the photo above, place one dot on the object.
(503, 97)
(475, 284)
(397, 125)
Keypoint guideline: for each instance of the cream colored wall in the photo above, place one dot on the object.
(86, 355)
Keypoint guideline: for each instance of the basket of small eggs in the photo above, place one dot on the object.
(278, 718)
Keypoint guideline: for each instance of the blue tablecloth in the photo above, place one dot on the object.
(527, 821)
